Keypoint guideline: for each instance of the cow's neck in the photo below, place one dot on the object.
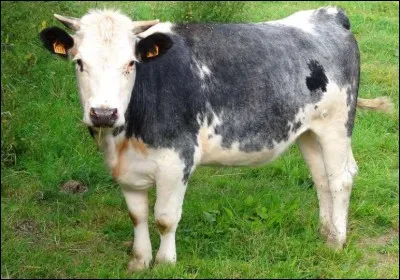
(108, 140)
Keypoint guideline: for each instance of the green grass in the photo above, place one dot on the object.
(237, 222)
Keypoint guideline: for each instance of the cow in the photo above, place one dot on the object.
(162, 98)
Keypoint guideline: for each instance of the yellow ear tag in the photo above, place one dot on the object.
(59, 48)
(153, 53)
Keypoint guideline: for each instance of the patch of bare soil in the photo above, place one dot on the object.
(26, 226)
(380, 240)
(375, 252)
(73, 187)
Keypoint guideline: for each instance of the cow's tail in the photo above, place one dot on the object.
(382, 103)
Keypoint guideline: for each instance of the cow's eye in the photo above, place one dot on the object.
(80, 64)
(131, 63)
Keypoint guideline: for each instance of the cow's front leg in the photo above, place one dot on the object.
(171, 188)
(138, 207)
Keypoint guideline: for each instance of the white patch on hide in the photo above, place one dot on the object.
(300, 20)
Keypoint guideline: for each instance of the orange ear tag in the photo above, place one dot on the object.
(154, 53)
(59, 48)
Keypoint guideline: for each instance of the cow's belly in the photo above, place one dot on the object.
(214, 154)
(213, 151)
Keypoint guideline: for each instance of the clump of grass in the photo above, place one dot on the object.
(210, 11)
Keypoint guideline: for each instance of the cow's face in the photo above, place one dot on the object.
(105, 51)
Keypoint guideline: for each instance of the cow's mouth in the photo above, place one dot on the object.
(95, 130)
(103, 125)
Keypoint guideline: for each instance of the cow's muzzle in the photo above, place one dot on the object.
(101, 117)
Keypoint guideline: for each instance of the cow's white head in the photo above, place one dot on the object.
(105, 48)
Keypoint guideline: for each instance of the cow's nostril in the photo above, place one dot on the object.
(92, 113)
(114, 113)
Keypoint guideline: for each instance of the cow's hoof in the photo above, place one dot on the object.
(161, 260)
(136, 264)
(324, 230)
(334, 243)
(164, 262)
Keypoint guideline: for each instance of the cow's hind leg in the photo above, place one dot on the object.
(137, 202)
(312, 153)
(340, 168)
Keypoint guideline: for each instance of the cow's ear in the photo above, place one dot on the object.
(70, 22)
(153, 46)
(141, 26)
(57, 41)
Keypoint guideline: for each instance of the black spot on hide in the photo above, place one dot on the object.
(317, 79)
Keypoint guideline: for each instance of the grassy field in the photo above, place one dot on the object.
(237, 222)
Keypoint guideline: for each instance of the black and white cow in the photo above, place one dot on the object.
(163, 98)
